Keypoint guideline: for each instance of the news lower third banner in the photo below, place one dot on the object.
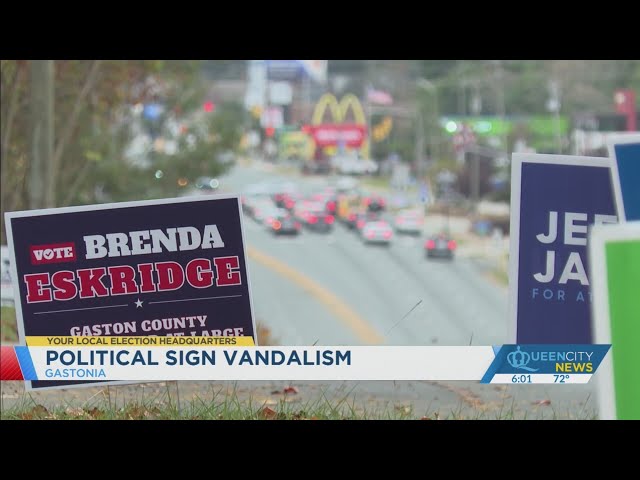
(142, 359)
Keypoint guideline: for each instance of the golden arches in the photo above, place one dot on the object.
(338, 109)
(382, 130)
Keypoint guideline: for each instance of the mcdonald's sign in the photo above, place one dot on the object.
(337, 130)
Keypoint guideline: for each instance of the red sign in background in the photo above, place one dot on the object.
(349, 134)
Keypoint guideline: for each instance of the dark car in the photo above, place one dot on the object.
(374, 203)
(284, 225)
(328, 200)
(287, 201)
(440, 246)
(207, 184)
(316, 167)
(318, 220)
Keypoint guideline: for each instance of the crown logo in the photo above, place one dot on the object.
(520, 360)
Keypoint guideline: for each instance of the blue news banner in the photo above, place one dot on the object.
(545, 363)
(164, 359)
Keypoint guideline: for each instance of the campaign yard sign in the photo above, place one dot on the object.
(614, 253)
(173, 267)
(625, 154)
(554, 198)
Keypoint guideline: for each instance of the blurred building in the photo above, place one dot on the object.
(592, 131)
(228, 90)
(282, 92)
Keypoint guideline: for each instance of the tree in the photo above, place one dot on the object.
(92, 117)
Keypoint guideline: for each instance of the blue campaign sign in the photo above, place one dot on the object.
(554, 199)
(161, 267)
(625, 153)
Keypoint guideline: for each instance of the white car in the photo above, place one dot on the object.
(271, 213)
(353, 165)
(378, 231)
(262, 208)
(346, 184)
(369, 166)
(409, 221)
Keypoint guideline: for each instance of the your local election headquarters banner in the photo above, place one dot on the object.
(163, 267)
(163, 359)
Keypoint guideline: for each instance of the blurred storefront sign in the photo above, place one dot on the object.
(291, 70)
(336, 134)
(625, 103)
(280, 93)
(339, 130)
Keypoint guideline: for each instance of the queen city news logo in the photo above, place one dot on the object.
(549, 360)
(519, 360)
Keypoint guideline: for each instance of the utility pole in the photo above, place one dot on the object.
(419, 153)
(425, 84)
(553, 105)
(41, 189)
(475, 178)
(462, 85)
(502, 107)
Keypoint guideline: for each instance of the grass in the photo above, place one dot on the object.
(500, 275)
(219, 404)
(376, 182)
(216, 405)
(8, 325)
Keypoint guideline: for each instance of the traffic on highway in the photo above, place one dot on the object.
(323, 234)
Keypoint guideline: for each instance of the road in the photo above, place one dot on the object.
(330, 289)
(457, 305)
(379, 286)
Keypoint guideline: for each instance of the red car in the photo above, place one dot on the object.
(317, 219)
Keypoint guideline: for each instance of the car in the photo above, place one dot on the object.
(374, 203)
(346, 185)
(378, 231)
(353, 165)
(316, 218)
(440, 246)
(263, 208)
(409, 222)
(287, 200)
(360, 219)
(316, 167)
(284, 224)
(207, 184)
(272, 213)
(328, 200)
